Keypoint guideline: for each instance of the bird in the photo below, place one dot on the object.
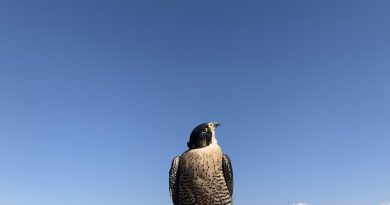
(202, 175)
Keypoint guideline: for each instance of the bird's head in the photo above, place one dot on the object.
(203, 135)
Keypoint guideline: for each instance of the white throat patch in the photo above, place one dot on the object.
(213, 138)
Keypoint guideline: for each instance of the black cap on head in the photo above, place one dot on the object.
(201, 135)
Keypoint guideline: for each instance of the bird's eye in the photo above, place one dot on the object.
(204, 130)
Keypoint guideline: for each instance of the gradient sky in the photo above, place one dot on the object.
(97, 97)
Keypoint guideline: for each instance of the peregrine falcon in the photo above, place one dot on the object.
(202, 175)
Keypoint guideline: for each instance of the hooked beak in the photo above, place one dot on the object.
(216, 124)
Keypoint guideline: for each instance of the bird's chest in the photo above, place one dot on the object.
(201, 179)
(202, 164)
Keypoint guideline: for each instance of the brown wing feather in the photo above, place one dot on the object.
(173, 177)
(228, 172)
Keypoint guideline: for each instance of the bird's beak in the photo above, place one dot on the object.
(216, 124)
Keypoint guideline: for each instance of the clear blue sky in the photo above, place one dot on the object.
(97, 97)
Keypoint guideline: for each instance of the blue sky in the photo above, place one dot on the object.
(97, 97)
